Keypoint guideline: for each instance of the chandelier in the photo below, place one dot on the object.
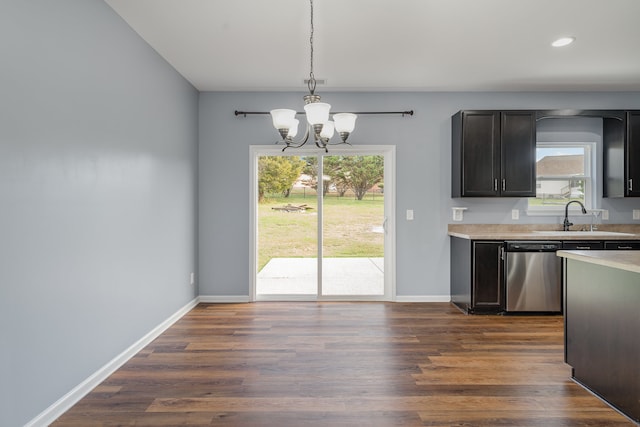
(317, 113)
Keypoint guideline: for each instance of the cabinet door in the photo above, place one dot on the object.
(461, 272)
(633, 154)
(625, 245)
(583, 245)
(518, 154)
(613, 143)
(480, 153)
(487, 287)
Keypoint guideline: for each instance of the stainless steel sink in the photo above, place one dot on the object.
(583, 233)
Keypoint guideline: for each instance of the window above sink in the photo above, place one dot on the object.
(564, 172)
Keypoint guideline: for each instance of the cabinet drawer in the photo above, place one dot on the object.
(622, 245)
(583, 245)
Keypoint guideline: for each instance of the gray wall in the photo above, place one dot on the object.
(98, 148)
(423, 174)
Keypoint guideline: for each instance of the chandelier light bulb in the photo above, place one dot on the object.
(345, 122)
(317, 113)
(293, 128)
(282, 118)
(327, 130)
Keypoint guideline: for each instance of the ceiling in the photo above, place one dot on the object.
(395, 45)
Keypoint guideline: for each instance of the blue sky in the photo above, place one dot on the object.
(560, 151)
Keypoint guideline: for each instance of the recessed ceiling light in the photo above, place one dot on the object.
(563, 41)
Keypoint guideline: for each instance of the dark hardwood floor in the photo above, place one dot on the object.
(346, 364)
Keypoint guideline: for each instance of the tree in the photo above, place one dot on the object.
(363, 172)
(311, 169)
(358, 173)
(334, 167)
(277, 174)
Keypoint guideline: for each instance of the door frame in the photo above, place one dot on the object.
(389, 154)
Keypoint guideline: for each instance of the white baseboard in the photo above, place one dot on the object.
(423, 298)
(63, 404)
(221, 299)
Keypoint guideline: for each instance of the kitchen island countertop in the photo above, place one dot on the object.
(622, 260)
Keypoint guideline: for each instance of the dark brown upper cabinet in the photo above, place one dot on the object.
(493, 154)
(633, 153)
(621, 163)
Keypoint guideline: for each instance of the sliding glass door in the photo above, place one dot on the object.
(321, 227)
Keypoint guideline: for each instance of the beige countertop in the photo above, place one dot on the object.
(542, 232)
(623, 260)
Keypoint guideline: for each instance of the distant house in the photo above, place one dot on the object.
(559, 177)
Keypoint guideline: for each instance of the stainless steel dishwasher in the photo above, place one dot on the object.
(533, 277)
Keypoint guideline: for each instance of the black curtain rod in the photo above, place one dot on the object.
(403, 113)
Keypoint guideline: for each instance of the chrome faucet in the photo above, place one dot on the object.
(566, 224)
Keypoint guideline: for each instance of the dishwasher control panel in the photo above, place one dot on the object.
(533, 246)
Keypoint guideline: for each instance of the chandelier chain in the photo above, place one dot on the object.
(312, 79)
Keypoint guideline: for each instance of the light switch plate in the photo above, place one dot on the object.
(409, 214)
(636, 214)
(605, 214)
(515, 214)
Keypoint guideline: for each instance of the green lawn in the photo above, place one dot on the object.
(536, 201)
(348, 225)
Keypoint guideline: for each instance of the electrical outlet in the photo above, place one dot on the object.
(636, 214)
(515, 214)
(409, 214)
(605, 215)
(192, 278)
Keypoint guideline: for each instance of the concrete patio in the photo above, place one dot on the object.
(341, 276)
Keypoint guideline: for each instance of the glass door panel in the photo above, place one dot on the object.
(353, 226)
(287, 229)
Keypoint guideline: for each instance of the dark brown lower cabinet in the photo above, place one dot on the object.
(583, 245)
(623, 245)
(477, 275)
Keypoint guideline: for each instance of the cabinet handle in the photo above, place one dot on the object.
(504, 184)
(495, 184)
(624, 247)
(583, 247)
(501, 253)
(630, 184)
